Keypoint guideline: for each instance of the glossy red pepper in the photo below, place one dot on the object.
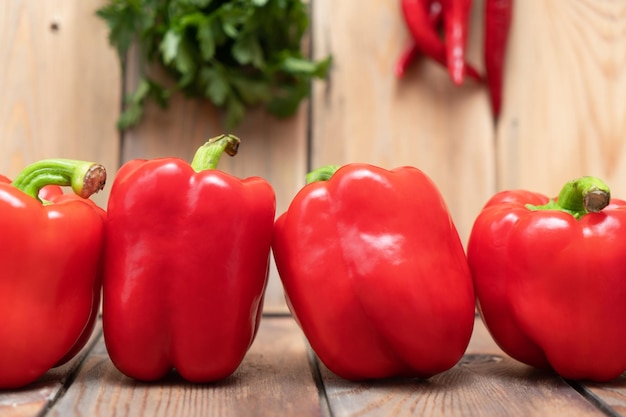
(455, 20)
(432, 9)
(549, 278)
(186, 264)
(374, 272)
(50, 261)
(498, 17)
(422, 18)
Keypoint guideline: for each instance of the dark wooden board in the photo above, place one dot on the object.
(611, 396)
(485, 382)
(280, 376)
(274, 379)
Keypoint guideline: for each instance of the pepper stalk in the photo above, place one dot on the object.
(579, 197)
(208, 155)
(85, 178)
(321, 174)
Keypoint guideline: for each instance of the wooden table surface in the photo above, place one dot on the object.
(281, 377)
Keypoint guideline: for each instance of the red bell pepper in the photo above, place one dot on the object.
(549, 278)
(50, 260)
(374, 272)
(186, 264)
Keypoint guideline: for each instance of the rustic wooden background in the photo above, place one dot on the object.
(564, 112)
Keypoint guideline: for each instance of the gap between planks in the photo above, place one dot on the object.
(485, 382)
(282, 376)
(274, 379)
(38, 397)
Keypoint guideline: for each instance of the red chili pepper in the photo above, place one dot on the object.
(420, 25)
(422, 18)
(433, 8)
(409, 55)
(51, 267)
(455, 20)
(498, 16)
(371, 263)
(186, 261)
(549, 278)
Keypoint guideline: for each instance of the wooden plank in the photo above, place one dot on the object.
(274, 149)
(365, 114)
(611, 395)
(563, 109)
(60, 85)
(36, 397)
(274, 379)
(485, 382)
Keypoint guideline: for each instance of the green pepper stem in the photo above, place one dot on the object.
(321, 174)
(208, 155)
(85, 178)
(579, 197)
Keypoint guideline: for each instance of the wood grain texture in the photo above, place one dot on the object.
(365, 114)
(485, 382)
(564, 113)
(60, 85)
(612, 394)
(33, 399)
(274, 379)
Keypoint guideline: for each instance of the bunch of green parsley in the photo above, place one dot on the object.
(237, 53)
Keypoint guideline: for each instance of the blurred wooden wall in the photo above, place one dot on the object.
(59, 85)
(564, 112)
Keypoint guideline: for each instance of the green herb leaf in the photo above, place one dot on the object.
(133, 110)
(185, 63)
(285, 102)
(247, 50)
(252, 91)
(169, 45)
(125, 20)
(300, 66)
(200, 3)
(206, 40)
(217, 85)
(234, 53)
